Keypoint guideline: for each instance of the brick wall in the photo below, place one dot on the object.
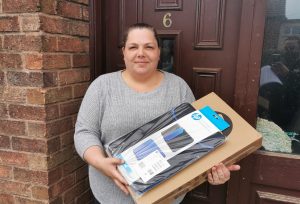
(44, 72)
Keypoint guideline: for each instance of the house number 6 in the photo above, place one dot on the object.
(167, 21)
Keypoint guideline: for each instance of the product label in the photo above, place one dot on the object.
(151, 165)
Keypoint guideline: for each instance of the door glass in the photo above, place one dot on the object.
(166, 62)
(279, 93)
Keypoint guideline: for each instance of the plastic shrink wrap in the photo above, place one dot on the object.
(162, 147)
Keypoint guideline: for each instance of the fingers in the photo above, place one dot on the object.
(108, 166)
(234, 167)
(116, 175)
(116, 161)
(220, 173)
(121, 186)
(210, 178)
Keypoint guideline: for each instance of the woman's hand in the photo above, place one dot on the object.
(220, 173)
(108, 166)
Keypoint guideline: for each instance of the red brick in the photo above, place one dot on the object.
(74, 119)
(58, 61)
(85, 13)
(30, 176)
(54, 25)
(32, 79)
(22, 42)
(71, 165)
(36, 129)
(79, 28)
(86, 197)
(38, 162)
(52, 112)
(40, 192)
(47, 96)
(60, 126)
(3, 111)
(29, 145)
(13, 158)
(80, 89)
(62, 186)
(69, 10)
(81, 173)
(7, 198)
(10, 61)
(81, 60)
(15, 188)
(70, 44)
(76, 190)
(53, 145)
(12, 94)
(58, 94)
(2, 78)
(50, 79)
(48, 6)
(30, 23)
(74, 76)
(9, 24)
(4, 142)
(22, 200)
(55, 175)
(34, 61)
(67, 139)
(86, 43)
(36, 96)
(5, 172)
(49, 43)
(37, 79)
(69, 108)
(20, 6)
(57, 200)
(60, 157)
(27, 112)
(8, 127)
(1, 42)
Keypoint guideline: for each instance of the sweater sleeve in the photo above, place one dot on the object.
(188, 95)
(88, 124)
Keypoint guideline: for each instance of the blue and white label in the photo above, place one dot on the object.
(127, 172)
(214, 118)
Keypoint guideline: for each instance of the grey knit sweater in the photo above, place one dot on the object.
(111, 109)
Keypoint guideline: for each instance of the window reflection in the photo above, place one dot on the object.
(167, 54)
(279, 93)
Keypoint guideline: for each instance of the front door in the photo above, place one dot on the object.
(215, 45)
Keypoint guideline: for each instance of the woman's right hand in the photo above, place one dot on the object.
(108, 166)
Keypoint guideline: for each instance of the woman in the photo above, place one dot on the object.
(119, 102)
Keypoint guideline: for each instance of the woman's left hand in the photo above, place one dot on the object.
(220, 173)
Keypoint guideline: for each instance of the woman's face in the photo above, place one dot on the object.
(141, 51)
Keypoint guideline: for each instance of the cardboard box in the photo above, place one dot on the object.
(242, 141)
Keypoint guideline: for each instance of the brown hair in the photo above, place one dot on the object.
(139, 26)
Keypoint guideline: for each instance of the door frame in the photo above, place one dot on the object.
(249, 59)
(97, 38)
